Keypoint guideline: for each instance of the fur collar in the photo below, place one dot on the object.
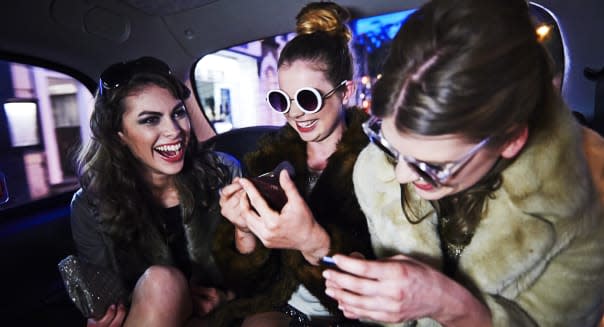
(286, 144)
(332, 201)
(547, 198)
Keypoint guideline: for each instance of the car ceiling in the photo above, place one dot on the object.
(87, 35)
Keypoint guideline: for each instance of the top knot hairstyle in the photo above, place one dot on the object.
(325, 17)
(322, 39)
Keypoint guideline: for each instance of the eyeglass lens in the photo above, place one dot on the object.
(394, 159)
(306, 99)
(278, 101)
(377, 139)
(309, 99)
(422, 174)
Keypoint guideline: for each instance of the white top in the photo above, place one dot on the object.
(307, 303)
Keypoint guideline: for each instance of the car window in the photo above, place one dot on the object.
(40, 129)
(232, 83)
(548, 33)
(44, 114)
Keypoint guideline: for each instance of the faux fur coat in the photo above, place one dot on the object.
(266, 278)
(537, 256)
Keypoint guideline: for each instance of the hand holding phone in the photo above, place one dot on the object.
(269, 187)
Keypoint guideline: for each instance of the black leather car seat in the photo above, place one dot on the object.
(238, 142)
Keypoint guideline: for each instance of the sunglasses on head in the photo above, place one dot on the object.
(435, 174)
(309, 99)
(119, 74)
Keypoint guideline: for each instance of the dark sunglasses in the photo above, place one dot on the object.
(309, 99)
(120, 73)
(436, 175)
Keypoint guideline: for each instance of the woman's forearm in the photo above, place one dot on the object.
(461, 308)
(245, 242)
(317, 245)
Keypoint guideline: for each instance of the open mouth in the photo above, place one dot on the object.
(305, 125)
(170, 152)
(424, 186)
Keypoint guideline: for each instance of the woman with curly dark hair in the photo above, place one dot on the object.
(148, 203)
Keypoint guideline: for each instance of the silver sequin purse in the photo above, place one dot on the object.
(92, 288)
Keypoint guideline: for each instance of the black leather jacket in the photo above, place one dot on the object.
(97, 247)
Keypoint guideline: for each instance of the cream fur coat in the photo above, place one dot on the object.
(537, 256)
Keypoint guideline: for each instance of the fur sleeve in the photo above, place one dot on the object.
(346, 237)
(568, 293)
(242, 273)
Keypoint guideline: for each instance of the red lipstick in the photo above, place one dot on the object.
(423, 186)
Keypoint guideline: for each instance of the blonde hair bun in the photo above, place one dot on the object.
(326, 17)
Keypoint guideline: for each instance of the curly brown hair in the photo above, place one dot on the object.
(109, 173)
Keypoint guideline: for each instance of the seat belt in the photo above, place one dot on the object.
(598, 77)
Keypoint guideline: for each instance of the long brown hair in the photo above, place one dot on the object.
(108, 171)
(472, 68)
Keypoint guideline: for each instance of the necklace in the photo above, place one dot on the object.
(313, 177)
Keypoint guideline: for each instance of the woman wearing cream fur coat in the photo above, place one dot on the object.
(478, 194)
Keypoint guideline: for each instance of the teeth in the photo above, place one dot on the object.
(171, 147)
(307, 123)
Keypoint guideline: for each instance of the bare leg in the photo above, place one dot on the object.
(161, 298)
(267, 319)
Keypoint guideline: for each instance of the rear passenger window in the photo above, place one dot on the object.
(232, 83)
(548, 32)
(41, 122)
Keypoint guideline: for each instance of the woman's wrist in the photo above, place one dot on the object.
(318, 245)
(245, 241)
(462, 308)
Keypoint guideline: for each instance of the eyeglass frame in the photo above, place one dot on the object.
(313, 90)
(128, 70)
(437, 175)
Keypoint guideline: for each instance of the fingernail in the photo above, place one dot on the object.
(329, 292)
(326, 274)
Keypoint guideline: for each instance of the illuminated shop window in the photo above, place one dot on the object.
(232, 83)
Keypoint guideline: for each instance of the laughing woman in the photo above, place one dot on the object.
(148, 202)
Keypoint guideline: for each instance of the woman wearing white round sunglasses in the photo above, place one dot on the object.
(322, 140)
(309, 99)
(477, 192)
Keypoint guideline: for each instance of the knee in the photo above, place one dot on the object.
(161, 282)
(161, 297)
(275, 319)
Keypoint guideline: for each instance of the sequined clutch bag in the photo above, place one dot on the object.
(92, 288)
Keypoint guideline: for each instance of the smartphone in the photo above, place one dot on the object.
(269, 187)
(329, 262)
